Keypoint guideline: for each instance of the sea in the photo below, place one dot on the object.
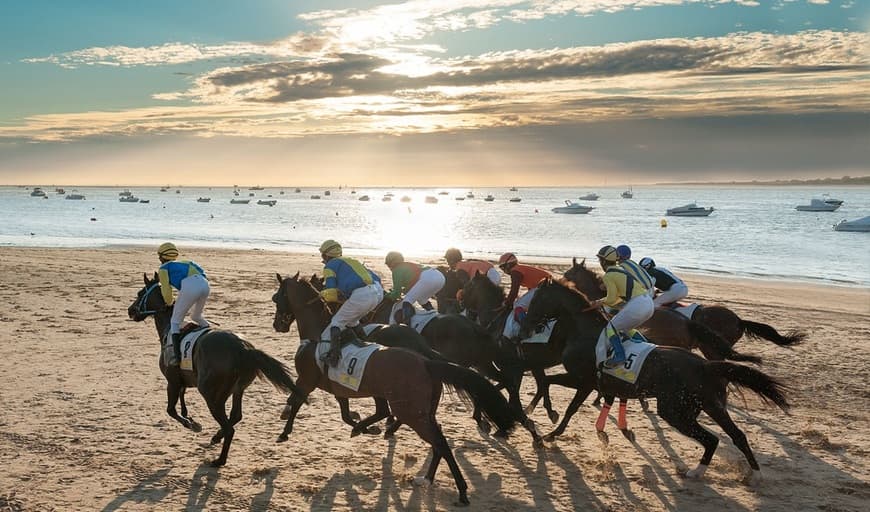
(754, 231)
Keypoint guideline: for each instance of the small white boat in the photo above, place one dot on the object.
(240, 201)
(628, 194)
(513, 189)
(489, 198)
(315, 196)
(405, 199)
(443, 193)
(572, 208)
(592, 196)
(689, 210)
(203, 199)
(37, 192)
(817, 205)
(363, 198)
(469, 195)
(387, 198)
(515, 199)
(128, 199)
(431, 199)
(860, 225)
(267, 202)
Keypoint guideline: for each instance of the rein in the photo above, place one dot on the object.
(143, 300)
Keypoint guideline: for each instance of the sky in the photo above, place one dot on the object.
(432, 93)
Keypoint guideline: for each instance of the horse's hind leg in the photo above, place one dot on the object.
(720, 415)
(685, 419)
(216, 397)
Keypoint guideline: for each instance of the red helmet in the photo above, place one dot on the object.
(507, 258)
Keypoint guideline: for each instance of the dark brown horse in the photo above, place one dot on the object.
(410, 383)
(683, 383)
(669, 324)
(223, 365)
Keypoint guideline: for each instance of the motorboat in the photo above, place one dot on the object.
(830, 200)
(37, 192)
(489, 198)
(459, 198)
(592, 196)
(817, 205)
(431, 199)
(267, 202)
(405, 199)
(128, 199)
(689, 210)
(144, 201)
(203, 199)
(60, 191)
(315, 196)
(860, 225)
(469, 195)
(388, 194)
(74, 197)
(513, 189)
(256, 188)
(572, 208)
(327, 193)
(163, 189)
(443, 193)
(515, 199)
(240, 201)
(363, 198)
(297, 190)
(387, 198)
(628, 194)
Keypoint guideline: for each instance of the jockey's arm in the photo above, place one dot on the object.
(165, 287)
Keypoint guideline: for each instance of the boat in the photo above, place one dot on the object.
(459, 198)
(363, 198)
(298, 190)
(859, 225)
(689, 210)
(831, 200)
(128, 199)
(144, 201)
(443, 193)
(628, 194)
(251, 194)
(405, 199)
(431, 199)
(74, 197)
(572, 208)
(817, 205)
(59, 191)
(515, 199)
(513, 189)
(37, 192)
(240, 201)
(125, 193)
(353, 191)
(268, 202)
(469, 195)
(387, 199)
(282, 193)
(489, 198)
(592, 196)
(327, 193)
(163, 189)
(203, 199)
(178, 191)
(388, 194)
(256, 188)
(315, 196)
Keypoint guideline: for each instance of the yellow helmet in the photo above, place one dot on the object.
(167, 251)
(608, 254)
(393, 258)
(331, 248)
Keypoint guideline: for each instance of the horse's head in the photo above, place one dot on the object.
(293, 298)
(483, 296)
(148, 301)
(558, 297)
(585, 279)
(317, 282)
(446, 296)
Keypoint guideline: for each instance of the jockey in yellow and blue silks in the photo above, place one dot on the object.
(629, 288)
(193, 290)
(348, 281)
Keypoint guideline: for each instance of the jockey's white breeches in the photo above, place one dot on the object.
(635, 312)
(430, 282)
(192, 296)
(678, 291)
(361, 302)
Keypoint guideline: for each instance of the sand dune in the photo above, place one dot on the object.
(83, 423)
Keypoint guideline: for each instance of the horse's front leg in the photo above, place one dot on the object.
(196, 427)
(174, 390)
(367, 425)
(346, 415)
(289, 414)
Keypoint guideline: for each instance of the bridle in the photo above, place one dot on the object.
(143, 300)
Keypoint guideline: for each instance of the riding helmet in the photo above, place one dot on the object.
(623, 252)
(647, 263)
(608, 254)
(393, 258)
(453, 255)
(167, 251)
(507, 258)
(331, 248)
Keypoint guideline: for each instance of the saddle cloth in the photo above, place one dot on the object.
(636, 353)
(541, 334)
(687, 311)
(351, 366)
(186, 347)
(422, 318)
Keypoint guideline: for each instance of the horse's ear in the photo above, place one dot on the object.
(583, 262)
(574, 261)
(476, 272)
(313, 277)
(296, 277)
(145, 276)
(155, 278)
(280, 279)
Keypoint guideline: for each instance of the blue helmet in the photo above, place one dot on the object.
(623, 252)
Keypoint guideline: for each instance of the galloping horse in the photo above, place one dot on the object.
(446, 296)
(684, 383)
(223, 364)
(669, 324)
(410, 383)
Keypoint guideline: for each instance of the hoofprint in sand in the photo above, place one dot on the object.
(83, 423)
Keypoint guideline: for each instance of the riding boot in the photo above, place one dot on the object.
(334, 353)
(428, 306)
(618, 356)
(170, 353)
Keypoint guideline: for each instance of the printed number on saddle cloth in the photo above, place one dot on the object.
(629, 361)
(351, 365)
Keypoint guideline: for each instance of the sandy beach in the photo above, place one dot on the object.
(83, 423)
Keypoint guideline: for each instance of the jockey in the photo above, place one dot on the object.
(526, 276)
(189, 279)
(348, 280)
(630, 288)
(672, 287)
(418, 282)
(471, 267)
(623, 252)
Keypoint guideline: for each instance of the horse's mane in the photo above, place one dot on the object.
(567, 283)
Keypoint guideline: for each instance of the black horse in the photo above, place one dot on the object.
(446, 298)
(223, 365)
(683, 383)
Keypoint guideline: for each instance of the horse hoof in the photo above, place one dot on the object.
(603, 437)
(554, 417)
(196, 427)
(374, 430)
(484, 427)
(282, 438)
(629, 434)
(696, 473)
(463, 501)
(354, 416)
(215, 439)
(538, 443)
(285, 413)
(549, 437)
(421, 481)
(644, 406)
(218, 462)
(754, 479)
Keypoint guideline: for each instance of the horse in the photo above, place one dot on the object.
(223, 364)
(683, 383)
(446, 296)
(411, 383)
(667, 323)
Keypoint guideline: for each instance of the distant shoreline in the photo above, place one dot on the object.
(845, 180)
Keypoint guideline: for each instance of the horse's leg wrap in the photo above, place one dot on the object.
(621, 421)
(602, 417)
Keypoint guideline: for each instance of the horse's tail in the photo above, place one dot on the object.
(715, 347)
(483, 394)
(768, 388)
(758, 330)
(269, 368)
